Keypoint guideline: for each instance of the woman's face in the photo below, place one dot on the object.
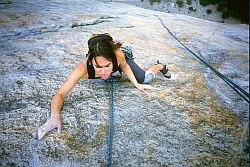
(102, 66)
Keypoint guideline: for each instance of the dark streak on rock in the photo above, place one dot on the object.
(88, 24)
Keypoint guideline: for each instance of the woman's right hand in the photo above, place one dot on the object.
(52, 123)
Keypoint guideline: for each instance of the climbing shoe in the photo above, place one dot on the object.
(165, 71)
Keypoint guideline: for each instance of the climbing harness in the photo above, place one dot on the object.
(111, 125)
(234, 86)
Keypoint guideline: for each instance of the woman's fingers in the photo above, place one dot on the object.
(51, 124)
(144, 87)
(42, 131)
(149, 87)
(59, 129)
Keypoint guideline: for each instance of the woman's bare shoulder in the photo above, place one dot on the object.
(81, 68)
(119, 55)
(84, 61)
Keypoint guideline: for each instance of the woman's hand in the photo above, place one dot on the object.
(52, 123)
(143, 87)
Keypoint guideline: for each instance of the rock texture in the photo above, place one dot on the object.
(193, 119)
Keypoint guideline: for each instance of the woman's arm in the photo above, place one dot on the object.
(127, 70)
(57, 101)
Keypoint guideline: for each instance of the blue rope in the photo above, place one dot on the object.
(235, 87)
(111, 126)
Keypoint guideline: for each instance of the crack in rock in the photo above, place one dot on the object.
(34, 31)
(98, 21)
(54, 28)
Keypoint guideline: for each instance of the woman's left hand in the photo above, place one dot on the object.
(143, 87)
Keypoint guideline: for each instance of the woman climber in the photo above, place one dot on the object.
(105, 59)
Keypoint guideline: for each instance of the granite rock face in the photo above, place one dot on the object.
(193, 119)
(189, 7)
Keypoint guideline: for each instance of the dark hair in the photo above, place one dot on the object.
(103, 45)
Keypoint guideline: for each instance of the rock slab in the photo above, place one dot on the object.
(193, 119)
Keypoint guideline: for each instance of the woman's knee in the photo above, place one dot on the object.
(149, 77)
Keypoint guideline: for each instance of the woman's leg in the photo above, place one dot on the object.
(155, 68)
(147, 76)
(159, 67)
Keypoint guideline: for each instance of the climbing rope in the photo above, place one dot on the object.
(234, 86)
(111, 125)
